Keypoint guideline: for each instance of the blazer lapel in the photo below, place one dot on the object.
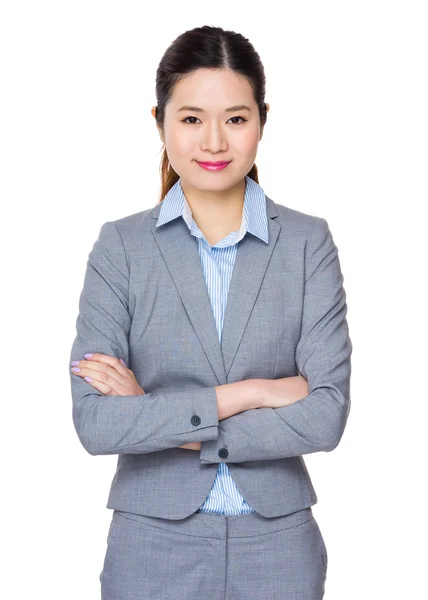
(180, 252)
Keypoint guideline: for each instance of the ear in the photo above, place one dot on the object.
(263, 128)
(161, 135)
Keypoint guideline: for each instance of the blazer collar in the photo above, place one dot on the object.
(181, 256)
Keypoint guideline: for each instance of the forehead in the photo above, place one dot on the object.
(212, 88)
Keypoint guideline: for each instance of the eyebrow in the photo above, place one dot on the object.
(231, 109)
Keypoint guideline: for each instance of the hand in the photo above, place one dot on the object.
(109, 375)
(284, 391)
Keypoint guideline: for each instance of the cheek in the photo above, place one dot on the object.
(180, 149)
(179, 138)
(248, 142)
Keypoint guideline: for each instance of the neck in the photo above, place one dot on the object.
(216, 211)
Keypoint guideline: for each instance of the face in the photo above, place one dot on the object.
(208, 132)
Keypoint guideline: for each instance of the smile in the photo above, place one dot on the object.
(213, 166)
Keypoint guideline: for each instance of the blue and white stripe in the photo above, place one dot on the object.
(217, 264)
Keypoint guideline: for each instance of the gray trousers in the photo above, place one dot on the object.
(214, 557)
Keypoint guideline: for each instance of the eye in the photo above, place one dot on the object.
(242, 119)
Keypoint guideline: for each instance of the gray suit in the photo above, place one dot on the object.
(145, 299)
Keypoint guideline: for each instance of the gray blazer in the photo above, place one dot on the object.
(145, 299)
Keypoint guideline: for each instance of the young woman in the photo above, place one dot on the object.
(212, 353)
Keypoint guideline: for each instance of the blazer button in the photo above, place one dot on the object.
(223, 453)
(195, 420)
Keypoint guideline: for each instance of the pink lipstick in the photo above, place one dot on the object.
(214, 166)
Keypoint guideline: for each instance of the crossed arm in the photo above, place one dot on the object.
(262, 428)
(317, 421)
(233, 398)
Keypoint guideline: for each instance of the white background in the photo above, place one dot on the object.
(346, 139)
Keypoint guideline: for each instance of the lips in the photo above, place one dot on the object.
(214, 166)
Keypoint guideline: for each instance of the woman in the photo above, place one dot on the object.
(229, 310)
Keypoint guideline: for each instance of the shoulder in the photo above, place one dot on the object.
(294, 220)
(130, 226)
(129, 235)
(131, 223)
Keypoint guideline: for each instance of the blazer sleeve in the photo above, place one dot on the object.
(323, 356)
(126, 424)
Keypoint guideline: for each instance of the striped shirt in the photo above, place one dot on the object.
(217, 265)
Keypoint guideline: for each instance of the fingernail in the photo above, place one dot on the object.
(75, 362)
(88, 355)
(75, 369)
(88, 378)
(121, 360)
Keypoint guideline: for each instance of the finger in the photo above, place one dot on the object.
(108, 360)
(102, 375)
(102, 382)
(128, 370)
(101, 386)
(131, 374)
(116, 363)
(102, 367)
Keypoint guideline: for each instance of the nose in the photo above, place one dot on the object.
(213, 138)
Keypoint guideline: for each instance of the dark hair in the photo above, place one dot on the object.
(212, 48)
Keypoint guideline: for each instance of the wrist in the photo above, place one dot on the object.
(256, 393)
(233, 398)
